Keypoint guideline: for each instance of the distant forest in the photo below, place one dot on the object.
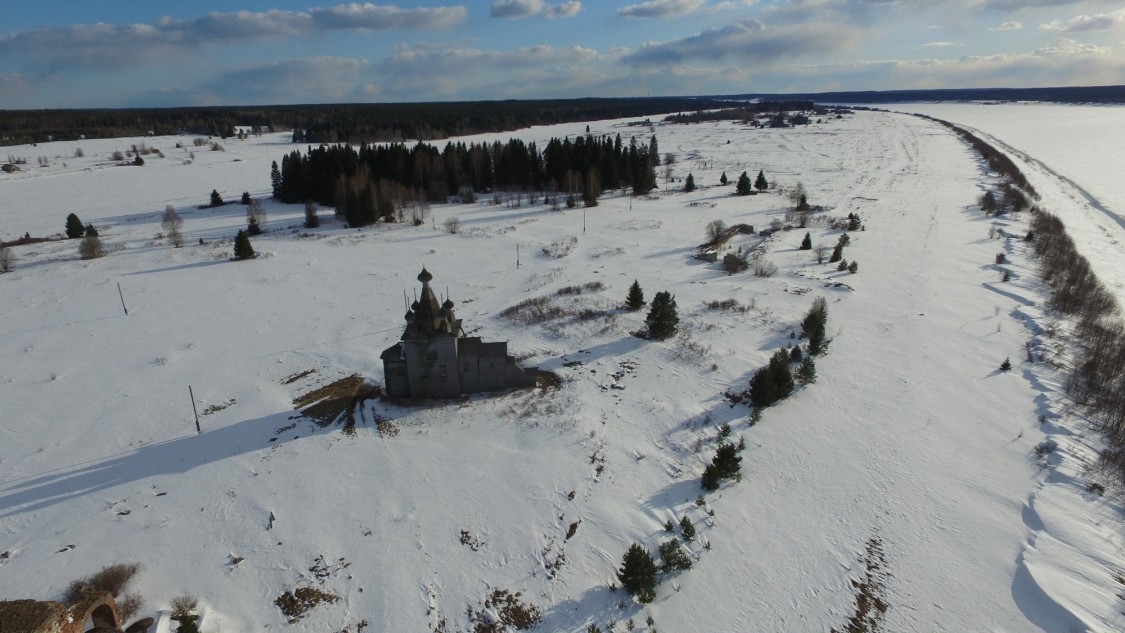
(377, 182)
(346, 123)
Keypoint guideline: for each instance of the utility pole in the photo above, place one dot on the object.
(119, 294)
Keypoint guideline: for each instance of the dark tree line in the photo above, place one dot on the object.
(366, 185)
(745, 112)
(339, 123)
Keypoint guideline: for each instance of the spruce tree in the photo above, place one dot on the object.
(74, 227)
(689, 184)
(760, 183)
(638, 574)
(673, 557)
(743, 186)
(726, 461)
(806, 244)
(242, 247)
(275, 180)
(312, 220)
(814, 325)
(635, 300)
(806, 371)
(216, 199)
(723, 179)
(662, 318)
(687, 527)
(837, 253)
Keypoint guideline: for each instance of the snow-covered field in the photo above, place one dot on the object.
(1070, 155)
(910, 438)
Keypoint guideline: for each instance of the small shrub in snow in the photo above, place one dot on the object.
(814, 325)
(6, 259)
(853, 267)
(245, 197)
(842, 266)
(295, 605)
(1001, 258)
(1006, 365)
(806, 244)
(173, 226)
(715, 229)
(452, 225)
(669, 525)
(129, 605)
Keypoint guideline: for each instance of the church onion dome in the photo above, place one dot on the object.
(409, 316)
(448, 305)
(425, 276)
(414, 306)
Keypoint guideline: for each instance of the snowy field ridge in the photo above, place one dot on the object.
(909, 467)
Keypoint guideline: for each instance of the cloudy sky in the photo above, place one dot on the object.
(78, 53)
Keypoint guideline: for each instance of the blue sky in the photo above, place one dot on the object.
(77, 53)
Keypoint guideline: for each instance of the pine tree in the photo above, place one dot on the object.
(246, 197)
(806, 244)
(853, 267)
(723, 179)
(673, 557)
(806, 371)
(687, 528)
(90, 231)
(842, 266)
(242, 247)
(689, 184)
(74, 227)
(743, 186)
(726, 461)
(216, 199)
(312, 220)
(662, 318)
(635, 300)
(837, 253)
(638, 574)
(275, 180)
(815, 324)
(138, 161)
(760, 183)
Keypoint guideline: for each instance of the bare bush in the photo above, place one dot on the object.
(173, 226)
(452, 225)
(183, 606)
(821, 252)
(715, 230)
(91, 247)
(561, 248)
(764, 267)
(6, 259)
(129, 605)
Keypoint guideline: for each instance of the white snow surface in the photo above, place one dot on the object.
(910, 434)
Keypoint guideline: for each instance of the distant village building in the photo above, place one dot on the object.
(435, 359)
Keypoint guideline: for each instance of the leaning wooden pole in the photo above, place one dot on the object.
(198, 430)
(120, 294)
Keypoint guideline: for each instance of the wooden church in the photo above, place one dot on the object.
(435, 359)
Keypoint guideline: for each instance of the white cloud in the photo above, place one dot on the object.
(1082, 23)
(303, 80)
(515, 9)
(1011, 25)
(729, 5)
(747, 40)
(101, 46)
(659, 8)
(940, 44)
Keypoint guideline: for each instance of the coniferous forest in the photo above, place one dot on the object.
(369, 184)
